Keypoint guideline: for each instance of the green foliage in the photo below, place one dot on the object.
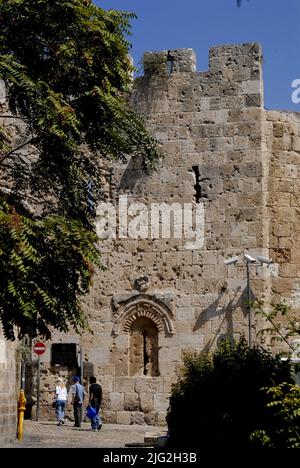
(217, 400)
(284, 404)
(283, 324)
(67, 73)
(48, 265)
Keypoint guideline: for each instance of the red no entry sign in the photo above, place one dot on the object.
(39, 348)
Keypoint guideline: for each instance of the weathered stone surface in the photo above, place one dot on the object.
(124, 417)
(137, 418)
(222, 149)
(131, 402)
(8, 391)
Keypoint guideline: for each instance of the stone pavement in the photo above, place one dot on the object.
(46, 434)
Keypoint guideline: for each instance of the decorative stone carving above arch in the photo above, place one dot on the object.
(142, 305)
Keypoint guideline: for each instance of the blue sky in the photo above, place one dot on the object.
(171, 24)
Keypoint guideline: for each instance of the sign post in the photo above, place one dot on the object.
(39, 349)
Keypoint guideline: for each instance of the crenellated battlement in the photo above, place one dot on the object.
(233, 80)
(170, 61)
(242, 56)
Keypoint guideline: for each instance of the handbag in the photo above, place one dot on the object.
(91, 412)
(53, 404)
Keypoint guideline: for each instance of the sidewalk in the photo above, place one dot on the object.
(47, 434)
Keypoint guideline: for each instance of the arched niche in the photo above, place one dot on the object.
(143, 305)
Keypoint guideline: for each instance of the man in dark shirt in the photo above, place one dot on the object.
(95, 394)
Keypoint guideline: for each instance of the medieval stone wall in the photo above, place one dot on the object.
(160, 297)
(8, 391)
(282, 141)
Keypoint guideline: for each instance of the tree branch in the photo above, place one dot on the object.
(3, 116)
(7, 155)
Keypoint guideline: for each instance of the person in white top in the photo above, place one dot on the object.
(61, 396)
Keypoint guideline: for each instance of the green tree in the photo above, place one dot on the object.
(221, 396)
(283, 324)
(283, 402)
(67, 73)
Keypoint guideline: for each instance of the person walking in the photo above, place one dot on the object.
(78, 395)
(95, 399)
(61, 397)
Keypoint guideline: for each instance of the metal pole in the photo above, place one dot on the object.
(81, 376)
(249, 305)
(81, 365)
(38, 391)
(22, 374)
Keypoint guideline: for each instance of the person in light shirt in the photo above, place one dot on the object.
(61, 396)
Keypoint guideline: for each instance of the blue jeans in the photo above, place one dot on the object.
(96, 421)
(60, 409)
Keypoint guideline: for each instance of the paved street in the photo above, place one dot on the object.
(48, 434)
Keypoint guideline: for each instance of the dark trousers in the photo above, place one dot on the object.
(77, 414)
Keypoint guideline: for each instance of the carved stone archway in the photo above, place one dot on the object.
(143, 305)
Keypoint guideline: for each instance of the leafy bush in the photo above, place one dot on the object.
(218, 400)
(284, 403)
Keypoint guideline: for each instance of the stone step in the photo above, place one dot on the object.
(155, 439)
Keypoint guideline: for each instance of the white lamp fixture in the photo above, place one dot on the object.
(248, 261)
(231, 261)
(266, 260)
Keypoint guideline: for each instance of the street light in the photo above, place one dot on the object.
(248, 261)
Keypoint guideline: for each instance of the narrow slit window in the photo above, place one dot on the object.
(197, 186)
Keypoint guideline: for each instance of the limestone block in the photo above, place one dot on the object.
(209, 271)
(121, 341)
(137, 417)
(253, 100)
(109, 417)
(116, 401)
(121, 370)
(288, 270)
(148, 384)
(161, 402)
(204, 104)
(2, 92)
(251, 87)
(123, 384)
(184, 301)
(168, 382)
(98, 355)
(161, 419)
(106, 382)
(185, 313)
(183, 327)
(295, 255)
(146, 402)
(123, 417)
(131, 402)
(282, 285)
(193, 340)
(151, 418)
(296, 143)
(278, 129)
(286, 242)
(282, 229)
(168, 355)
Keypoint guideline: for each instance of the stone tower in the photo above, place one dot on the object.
(162, 295)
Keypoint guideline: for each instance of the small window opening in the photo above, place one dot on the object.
(198, 188)
(143, 356)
